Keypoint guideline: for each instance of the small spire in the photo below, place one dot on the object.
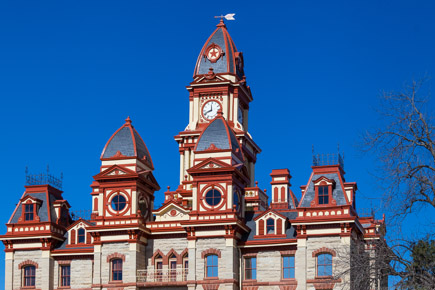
(128, 120)
(220, 113)
(221, 23)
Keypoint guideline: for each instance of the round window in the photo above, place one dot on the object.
(213, 197)
(118, 202)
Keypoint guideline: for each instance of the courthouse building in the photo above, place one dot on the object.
(216, 230)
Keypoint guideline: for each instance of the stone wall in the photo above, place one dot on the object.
(44, 271)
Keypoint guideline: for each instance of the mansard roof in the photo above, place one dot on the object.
(126, 142)
(230, 61)
(338, 193)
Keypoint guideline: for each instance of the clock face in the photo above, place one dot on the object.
(240, 116)
(210, 109)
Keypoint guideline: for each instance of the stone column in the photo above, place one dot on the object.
(301, 264)
(191, 276)
(9, 270)
(96, 280)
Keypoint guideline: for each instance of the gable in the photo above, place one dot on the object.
(171, 211)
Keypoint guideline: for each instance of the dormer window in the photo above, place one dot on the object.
(28, 212)
(81, 236)
(270, 226)
(323, 195)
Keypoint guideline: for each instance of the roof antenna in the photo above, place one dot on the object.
(229, 16)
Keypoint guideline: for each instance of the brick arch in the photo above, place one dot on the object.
(156, 253)
(115, 256)
(172, 251)
(209, 252)
(27, 263)
(184, 253)
(324, 250)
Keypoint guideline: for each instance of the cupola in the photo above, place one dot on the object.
(220, 53)
(126, 143)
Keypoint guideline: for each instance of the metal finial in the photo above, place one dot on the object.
(61, 176)
(48, 168)
(27, 170)
(312, 149)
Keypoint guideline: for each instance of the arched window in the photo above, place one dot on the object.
(158, 268)
(116, 269)
(270, 226)
(81, 236)
(185, 266)
(211, 265)
(29, 273)
(324, 265)
(172, 267)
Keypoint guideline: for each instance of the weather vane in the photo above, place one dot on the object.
(229, 16)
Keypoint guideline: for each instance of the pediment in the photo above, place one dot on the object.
(171, 211)
(30, 198)
(80, 223)
(270, 213)
(209, 163)
(115, 170)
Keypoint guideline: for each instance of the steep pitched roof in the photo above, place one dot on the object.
(126, 142)
(230, 59)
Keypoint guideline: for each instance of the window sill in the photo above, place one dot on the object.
(211, 278)
(115, 282)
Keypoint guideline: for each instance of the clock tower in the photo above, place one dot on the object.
(219, 85)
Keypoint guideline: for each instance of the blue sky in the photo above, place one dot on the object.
(72, 71)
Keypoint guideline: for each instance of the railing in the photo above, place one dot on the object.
(328, 159)
(44, 178)
(162, 275)
(81, 213)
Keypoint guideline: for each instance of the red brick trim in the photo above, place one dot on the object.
(156, 253)
(288, 287)
(177, 257)
(250, 287)
(115, 256)
(27, 263)
(249, 255)
(324, 250)
(64, 262)
(209, 252)
(210, 286)
(288, 252)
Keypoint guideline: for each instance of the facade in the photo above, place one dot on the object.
(217, 230)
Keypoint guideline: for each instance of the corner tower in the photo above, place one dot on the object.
(219, 84)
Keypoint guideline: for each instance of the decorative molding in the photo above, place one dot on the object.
(324, 250)
(115, 256)
(210, 252)
(27, 263)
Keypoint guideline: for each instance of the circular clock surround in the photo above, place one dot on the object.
(210, 109)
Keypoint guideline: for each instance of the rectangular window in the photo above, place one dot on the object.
(28, 212)
(29, 276)
(251, 268)
(65, 275)
(288, 267)
(117, 270)
(324, 265)
(185, 268)
(323, 195)
(212, 266)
